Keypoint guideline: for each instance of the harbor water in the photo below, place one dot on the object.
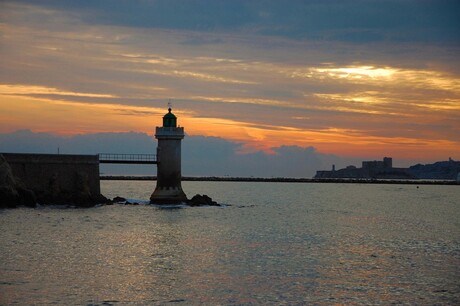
(271, 243)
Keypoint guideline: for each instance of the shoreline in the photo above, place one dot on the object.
(285, 180)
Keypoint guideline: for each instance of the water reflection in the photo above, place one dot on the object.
(290, 244)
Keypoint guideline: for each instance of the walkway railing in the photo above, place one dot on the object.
(111, 158)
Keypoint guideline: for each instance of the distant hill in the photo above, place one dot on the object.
(446, 170)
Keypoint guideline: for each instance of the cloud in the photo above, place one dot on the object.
(26, 141)
(272, 74)
(201, 156)
(200, 40)
(17, 89)
(354, 21)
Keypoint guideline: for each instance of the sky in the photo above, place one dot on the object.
(293, 81)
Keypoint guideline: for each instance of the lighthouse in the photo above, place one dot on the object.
(169, 187)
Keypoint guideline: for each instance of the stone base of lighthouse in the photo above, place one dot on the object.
(168, 195)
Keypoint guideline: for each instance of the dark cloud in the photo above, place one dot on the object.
(199, 41)
(351, 21)
(201, 156)
(26, 141)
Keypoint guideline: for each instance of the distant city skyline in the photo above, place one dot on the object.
(350, 79)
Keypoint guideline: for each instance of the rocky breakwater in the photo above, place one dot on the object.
(13, 192)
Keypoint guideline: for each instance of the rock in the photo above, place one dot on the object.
(118, 200)
(201, 200)
(9, 197)
(27, 197)
(86, 200)
(100, 199)
(12, 190)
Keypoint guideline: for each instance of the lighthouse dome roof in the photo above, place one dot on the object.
(169, 120)
(169, 114)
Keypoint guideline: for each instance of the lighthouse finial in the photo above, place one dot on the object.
(169, 105)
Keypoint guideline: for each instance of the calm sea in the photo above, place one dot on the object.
(275, 243)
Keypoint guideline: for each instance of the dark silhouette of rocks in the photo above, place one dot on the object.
(27, 197)
(201, 200)
(118, 200)
(121, 200)
(441, 170)
(12, 191)
(197, 200)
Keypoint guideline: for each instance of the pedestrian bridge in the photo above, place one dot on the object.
(111, 158)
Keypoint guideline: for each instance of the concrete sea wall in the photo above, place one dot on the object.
(57, 178)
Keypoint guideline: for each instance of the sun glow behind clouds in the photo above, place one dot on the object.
(261, 91)
(390, 76)
(357, 72)
(70, 117)
(369, 97)
(18, 89)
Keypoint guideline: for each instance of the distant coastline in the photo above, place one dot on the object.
(384, 170)
(284, 180)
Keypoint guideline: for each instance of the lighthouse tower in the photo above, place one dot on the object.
(169, 188)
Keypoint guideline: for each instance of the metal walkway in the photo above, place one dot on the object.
(110, 158)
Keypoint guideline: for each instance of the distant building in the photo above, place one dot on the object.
(370, 169)
(442, 170)
(387, 163)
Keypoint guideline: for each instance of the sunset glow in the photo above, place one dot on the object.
(66, 76)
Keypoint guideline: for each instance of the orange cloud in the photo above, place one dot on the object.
(41, 90)
(69, 117)
(263, 99)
